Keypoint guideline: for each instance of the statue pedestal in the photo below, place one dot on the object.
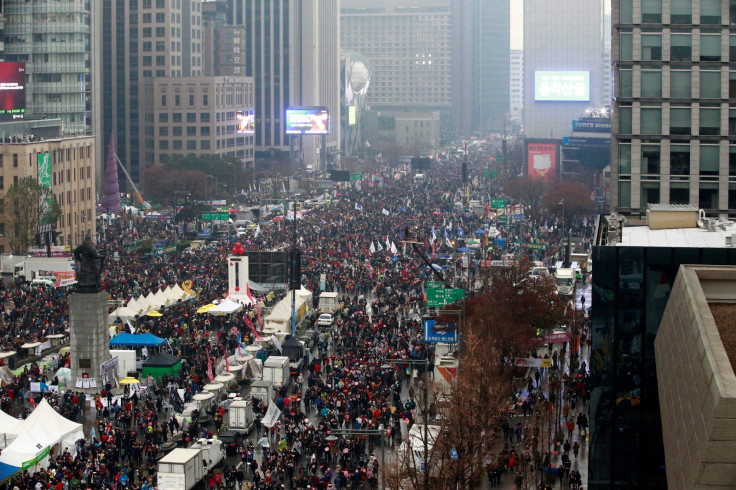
(89, 339)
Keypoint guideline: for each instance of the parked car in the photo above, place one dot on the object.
(309, 337)
(325, 320)
(231, 439)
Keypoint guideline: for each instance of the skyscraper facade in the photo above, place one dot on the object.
(673, 127)
(53, 40)
(516, 86)
(563, 64)
(293, 55)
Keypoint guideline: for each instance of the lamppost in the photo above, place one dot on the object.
(565, 234)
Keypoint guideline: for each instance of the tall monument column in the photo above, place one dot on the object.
(89, 339)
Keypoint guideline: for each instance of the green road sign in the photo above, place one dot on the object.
(435, 285)
(219, 215)
(502, 219)
(440, 297)
(165, 250)
(498, 203)
(358, 176)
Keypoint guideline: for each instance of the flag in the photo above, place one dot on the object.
(258, 231)
(240, 343)
(385, 212)
(372, 248)
(388, 244)
(209, 365)
(252, 329)
(358, 207)
(130, 326)
(224, 354)
(446, 235)
(404, 251)
(379, 157)
(249, 294)
(258, 315)
(460, 232)
(30, 398)
(323, 221)
(433, 248)
(394, 250)
(380, 247)
(448, 242)
(272, 415)
(283, 186)
(434, 235)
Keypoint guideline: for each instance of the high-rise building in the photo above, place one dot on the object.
(293, 55)
(147, 46)
(606, 78)
(563, 64)
(224, 43)
(480, 65)
(53, 40)
(516, 75)
(673, 128)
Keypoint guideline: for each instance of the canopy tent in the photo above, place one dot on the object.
(226, 307)
(7, 471)
(10, 427)
(126, 339)
(67, 431)
(6, 374)
(162, 364)
(64, 375)
(29, 451)
(124, 313)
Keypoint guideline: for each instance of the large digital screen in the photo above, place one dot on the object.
(12, 91)
(246, 122)
(307, 120)
(542, 160)
(562, 85)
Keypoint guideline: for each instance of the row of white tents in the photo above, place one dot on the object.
(28, 444)
(144, 304)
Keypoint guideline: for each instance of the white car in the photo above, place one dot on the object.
(325, 320)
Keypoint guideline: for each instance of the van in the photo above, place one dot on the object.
(419, 178)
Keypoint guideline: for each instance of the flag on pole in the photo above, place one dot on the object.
(358, 207)
(404, 251)
(272, 415)
(448, 242)
(380, 247)
(372, 248)
(385, 212)
(252, 329)
(434, 235)
(460, 232)
(249, 294)
(240, 343)
(388, 243)
(224, 354)
(258, 231)
(394, 250)
(283, 186)
(209, 365)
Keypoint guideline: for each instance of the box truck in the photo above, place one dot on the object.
(181, 469)
(276, 370)
(240, 415)
(61, 268)
(262, 389)
(212, 451)
(328, 303)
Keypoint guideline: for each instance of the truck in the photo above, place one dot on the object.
(328, 303)
(262, 389)
(58, 268)
(9, 261)
(181, 469)
(565, 277)
(241, 416)
(276, 369)
(296, 352)
(126, 361)
(212, 451)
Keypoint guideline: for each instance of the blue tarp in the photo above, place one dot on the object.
(480, 231)
(7, 471)
(137, 340)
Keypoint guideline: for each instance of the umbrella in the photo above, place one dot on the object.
(206, 308)
(244, 358)
(213, 386)
(279, 218)
(464, 249)
(224, 377)
(129, 381)
(480, 231)
(154, 313)
(200, 397)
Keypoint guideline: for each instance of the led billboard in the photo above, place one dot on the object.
(246, 122)
(12, 91)
(352, 119)
(542, 160)
(568, 86)
(307, 120)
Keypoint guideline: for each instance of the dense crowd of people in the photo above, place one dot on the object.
(354, 378)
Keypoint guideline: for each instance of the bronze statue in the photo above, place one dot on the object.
(89, 268)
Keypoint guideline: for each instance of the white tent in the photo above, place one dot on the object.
(160, 298)
(124, 313)
(151, 301)
(30, 448)
(171, 296)
(8, 432)
(67, 431)
(179, 292)
(135, 306)
(226, 307)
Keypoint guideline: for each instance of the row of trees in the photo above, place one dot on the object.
(540, 195)
(499, 327)
(26, 205)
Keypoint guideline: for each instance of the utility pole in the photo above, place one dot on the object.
(295, 276)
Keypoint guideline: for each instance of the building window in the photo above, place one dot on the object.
(163, 117)
(191, 131)
(204, 144)
(681, 47)
(176, 131)
(191, 144)
(680, 84)
(177, 144)
(710, 11)
(626, 46)
(625, 83)
(710, 121)
(15, 159)
(624, 193)
(708, 198)
(651, 83)
(204, 117)
(650, 159)
(651, 47)
(204, 131)
(710, 84)
(163, 100)
(627, 11)
(163, 131)
(681, 12)
(649, 193)
(191, 117)
(163, 144)
(205, 100)
(176, 117)
(651, 120)
(624, 119)
(651, 11)
(680, 121)
(709, 159)
(680, 160)
(191, 100)
(710, 47)
(624, 158)
(732, 122)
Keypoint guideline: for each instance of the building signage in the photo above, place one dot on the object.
(439, 332)
(440, 297)
(592, 125)
(216, 216)
(577, 141)
(562, 86)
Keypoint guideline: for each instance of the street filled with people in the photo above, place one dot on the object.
(361, 241)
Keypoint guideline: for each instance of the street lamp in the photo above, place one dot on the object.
(564, 228)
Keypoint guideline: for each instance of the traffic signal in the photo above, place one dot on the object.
(295, 269)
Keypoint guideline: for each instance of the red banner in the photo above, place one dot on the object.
(552, 338)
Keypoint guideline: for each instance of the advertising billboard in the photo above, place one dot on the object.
(562, 86)
(12, 91)
(307, 120)
(246, 122)
(352, 119)
(592, 125)
(542, 160)
(44, 178)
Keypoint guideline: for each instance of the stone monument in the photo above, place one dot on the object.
(89, 338)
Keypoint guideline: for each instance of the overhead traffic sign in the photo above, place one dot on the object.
(439, 332)
(435, 285)
(440, 297)
(498, 203)
(215, 216)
